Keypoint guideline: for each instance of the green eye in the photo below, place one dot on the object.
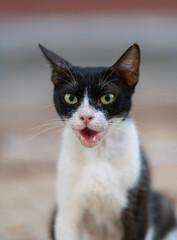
(70, 99)
(107, 98)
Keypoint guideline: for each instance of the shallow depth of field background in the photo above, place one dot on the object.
(88, 34)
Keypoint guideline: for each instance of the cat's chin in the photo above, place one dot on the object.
(89, 138)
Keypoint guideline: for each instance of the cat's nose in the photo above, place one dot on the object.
(86, 119)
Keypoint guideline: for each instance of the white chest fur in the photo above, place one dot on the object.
(93, 184)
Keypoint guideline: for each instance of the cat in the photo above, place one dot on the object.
(103, 184)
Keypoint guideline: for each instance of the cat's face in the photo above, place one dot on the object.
(90, 100)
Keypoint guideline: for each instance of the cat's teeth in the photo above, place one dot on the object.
(82, 138)
(94, 138)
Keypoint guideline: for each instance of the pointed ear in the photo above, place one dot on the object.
(58, 64)
(127, 67)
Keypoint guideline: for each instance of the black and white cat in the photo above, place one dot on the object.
(103, 190)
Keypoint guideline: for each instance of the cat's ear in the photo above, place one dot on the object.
(127, 67)
(59, 65)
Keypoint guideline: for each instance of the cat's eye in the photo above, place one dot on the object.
(70, 98)
(107, 98)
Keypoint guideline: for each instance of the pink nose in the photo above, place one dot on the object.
(86, 119)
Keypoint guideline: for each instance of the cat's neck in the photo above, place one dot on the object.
(118, 154)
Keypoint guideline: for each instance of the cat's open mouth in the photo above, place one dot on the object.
(89, 137)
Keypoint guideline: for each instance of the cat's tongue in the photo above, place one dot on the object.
(88, 137)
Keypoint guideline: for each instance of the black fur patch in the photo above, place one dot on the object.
(119, 79)
(95, 82)
(135, 217)
(162, 215)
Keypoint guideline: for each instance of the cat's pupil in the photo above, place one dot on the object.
(71, 97)
(107, 98)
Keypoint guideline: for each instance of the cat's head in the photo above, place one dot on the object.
(90, 100)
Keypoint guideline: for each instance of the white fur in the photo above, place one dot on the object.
(172, 235)
(150, 234)
(98, 123)
(93, 183)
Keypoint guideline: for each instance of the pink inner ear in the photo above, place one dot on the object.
(128, 65)
(130, 61)
(129, 69)
(130, 77)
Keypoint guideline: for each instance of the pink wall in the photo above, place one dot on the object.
(40, 6)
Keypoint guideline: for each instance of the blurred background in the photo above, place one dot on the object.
(86, 33)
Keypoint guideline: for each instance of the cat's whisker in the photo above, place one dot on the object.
(103, 81)
(71, 77)
(43, 131)
(72, 82)
(111, 72)
(57, 132)
(47, 125)
(70, 73)
(56, 121)
(68, 82)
